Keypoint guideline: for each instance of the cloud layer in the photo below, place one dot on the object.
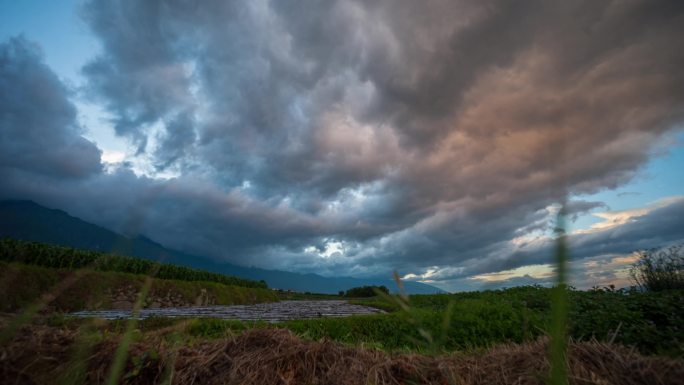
(38, 128)
(411, 137)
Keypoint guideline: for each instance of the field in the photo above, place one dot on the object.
(492, 337)
(41, 254)
(501, 336)
(23, 285)
(157, 354)
(652, 323)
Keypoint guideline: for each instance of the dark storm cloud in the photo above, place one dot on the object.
(38, 128)
(442, 102)
(314, 99)
(416, 135)
(137, 76)
(175, 141)
(574, 209)
(657, 228)
(44, 157)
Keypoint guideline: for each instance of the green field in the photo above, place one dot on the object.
(23, 285)
(41, 254)
(39, 283)
(651, 322)
(434, 324)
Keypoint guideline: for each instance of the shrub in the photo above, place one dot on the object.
(366, 291)
(659, 269)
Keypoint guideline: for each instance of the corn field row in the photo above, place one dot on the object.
(35, 253)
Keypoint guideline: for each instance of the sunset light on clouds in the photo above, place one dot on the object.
(353, 138)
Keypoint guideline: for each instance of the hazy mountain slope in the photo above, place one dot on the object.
(31, 221)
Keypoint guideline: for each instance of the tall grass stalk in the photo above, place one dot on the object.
(170, 363)
(121, 354)
(76, 369)
(559, 307)
(433, 344)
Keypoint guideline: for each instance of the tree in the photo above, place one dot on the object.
(659, 269)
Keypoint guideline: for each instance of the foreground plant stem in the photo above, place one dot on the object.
(121, 354)
(559, 308)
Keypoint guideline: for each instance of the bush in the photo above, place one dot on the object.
(366, 291)
(659, 269)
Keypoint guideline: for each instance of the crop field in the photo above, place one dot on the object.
(23, 285)
(498, 336)
(652, 323)
(41, 254)
(617, 337)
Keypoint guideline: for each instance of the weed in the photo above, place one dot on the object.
(659, 269)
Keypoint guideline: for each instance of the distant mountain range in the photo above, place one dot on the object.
(28, 220)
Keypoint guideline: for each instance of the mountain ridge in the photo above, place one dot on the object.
(28, 220)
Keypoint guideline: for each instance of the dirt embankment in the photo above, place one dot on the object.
(40, 354)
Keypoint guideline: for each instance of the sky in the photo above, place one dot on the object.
(349, 138)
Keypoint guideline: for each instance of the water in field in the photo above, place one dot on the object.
(270, 312)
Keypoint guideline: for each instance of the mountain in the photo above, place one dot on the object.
(30, 221)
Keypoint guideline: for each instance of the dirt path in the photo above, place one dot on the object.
(271, 312)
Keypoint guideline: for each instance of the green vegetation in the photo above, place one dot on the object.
(366, 291)
(659, 269)
(652, 322)
(559, 309)
(22, 285)
(285, 295)
(37, 278)
(427, 324)
(34, 253)
(419, 330)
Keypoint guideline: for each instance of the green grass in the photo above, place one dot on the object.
(652, 322)
(296, 296)
(432, 323)
(40, 254)
(466, 322)
(22, 285)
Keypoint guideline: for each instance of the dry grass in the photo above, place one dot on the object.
(41, 354)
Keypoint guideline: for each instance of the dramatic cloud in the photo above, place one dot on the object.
(349, 137)
(595, 254)
(38, 128)
(575, 208)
